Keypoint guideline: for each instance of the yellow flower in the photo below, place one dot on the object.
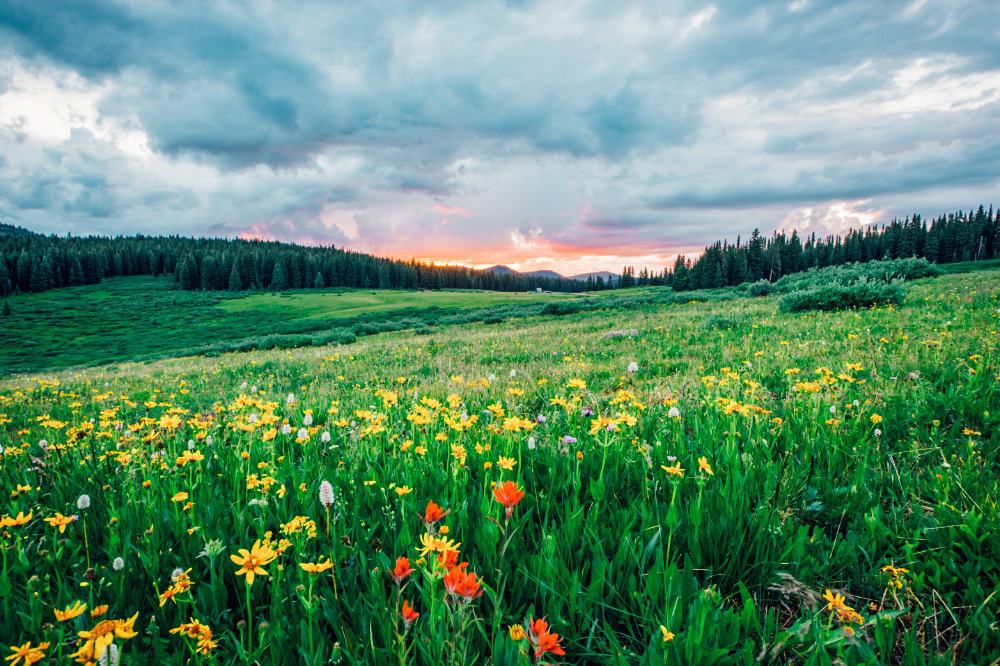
(25, 654)
(432, 544)
(667, 634)
(251, 562)
(403, 490)
(506, 463)
(75, 609)
(704, 466)
(179, 497)
(60, 521)
(674, 470)
(516, 632)
(97, 640)
(316, 567)
(18, 521)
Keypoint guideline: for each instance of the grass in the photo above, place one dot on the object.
(143, 318)
(764, 487)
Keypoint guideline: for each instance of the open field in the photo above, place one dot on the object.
(141, 318)
(758, 487)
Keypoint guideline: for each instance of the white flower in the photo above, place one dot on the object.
(531, 443)
(176, 573)
(243, 386)
(253, 389)
(513, 373)
(302, 433)
(83, 502)
(190, 445)
(118, 564)
(492, 377)
(833, 409)
(308, 420)
(856, 403)
(633, 368)
(257, 502)
(109, 656)
(252, 418)
(878, 432)
(326, 494)
(286, 429)
(325, 437)
(209, 440)
(290, 399)
(43, 443)
(673, 412)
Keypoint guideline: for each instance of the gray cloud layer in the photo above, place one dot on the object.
(625, 129)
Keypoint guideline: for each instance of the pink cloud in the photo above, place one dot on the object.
(452, 210)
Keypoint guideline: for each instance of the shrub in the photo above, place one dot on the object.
(864, 293)
(760, 288)
(884, 271)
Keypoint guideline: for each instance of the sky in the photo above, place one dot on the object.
(566, 135)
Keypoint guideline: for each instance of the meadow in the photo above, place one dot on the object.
(146, 318)
(668, 481)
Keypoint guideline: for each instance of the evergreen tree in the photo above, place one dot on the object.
(278, 282)
(5, 286)
(6, 309)
(41, 275)
(318, 281)
(235, 282)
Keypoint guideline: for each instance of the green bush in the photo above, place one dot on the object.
(760, 288)
(864, 293)
(883, 271)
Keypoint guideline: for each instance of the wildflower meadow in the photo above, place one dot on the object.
(678, 483)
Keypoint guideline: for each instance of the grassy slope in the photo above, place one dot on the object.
(828, 504)
(142, 318)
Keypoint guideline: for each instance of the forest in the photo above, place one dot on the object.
(32, 263)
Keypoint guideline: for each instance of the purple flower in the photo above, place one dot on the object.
(541, 418)
(587, 411)
(568, 439)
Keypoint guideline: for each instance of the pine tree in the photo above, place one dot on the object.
(5, 285)
(235, 282)
(41, 275)
(318, 281)
(209, 273)
(6, 309)
(278, 282)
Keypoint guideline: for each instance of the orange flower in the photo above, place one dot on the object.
(433, 513)
(409, 615)
(543, 639)
(448, 559)
(401, 570)
(463, 584)
(509, 495)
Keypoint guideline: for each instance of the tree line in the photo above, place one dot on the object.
(34, 263)
(31, 262)
(972, 235)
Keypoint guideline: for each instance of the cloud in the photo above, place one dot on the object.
(613, 131)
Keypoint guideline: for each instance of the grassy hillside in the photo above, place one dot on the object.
(759, 487)
(140, 318)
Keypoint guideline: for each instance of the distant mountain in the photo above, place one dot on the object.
(11, 230)
(548, 275)
(501, 270)
(607, 276)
